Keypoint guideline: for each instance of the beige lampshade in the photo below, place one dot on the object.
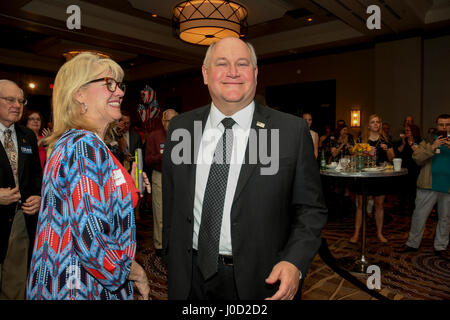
(205, 21)
(70, 54)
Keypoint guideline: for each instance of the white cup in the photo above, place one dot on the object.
(397, 164)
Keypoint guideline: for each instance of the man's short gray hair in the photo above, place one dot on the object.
(250, 47)
(11, 82)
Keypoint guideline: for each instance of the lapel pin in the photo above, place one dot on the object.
(260, 124)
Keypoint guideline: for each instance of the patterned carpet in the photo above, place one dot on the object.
(413, 276)
(408, 276)
(145, 256)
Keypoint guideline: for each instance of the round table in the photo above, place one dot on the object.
(368, 182)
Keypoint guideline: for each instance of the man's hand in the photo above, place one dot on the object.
(447, 143)
(289, 277)
(8, 196)
(438, 142)
(138, 275)
(31, 206)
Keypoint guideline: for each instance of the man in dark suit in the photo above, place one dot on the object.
(20, 189)
(248, 227)
(128, 141)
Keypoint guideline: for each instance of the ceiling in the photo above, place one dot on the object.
(34, 33)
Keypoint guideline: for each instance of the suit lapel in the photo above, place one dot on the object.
(4, 160)
(21, 141)
(260, 118)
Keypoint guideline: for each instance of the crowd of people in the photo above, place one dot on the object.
(68, 193)
(425, 158)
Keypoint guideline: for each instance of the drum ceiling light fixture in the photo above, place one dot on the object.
(203, 22)
(70, 54)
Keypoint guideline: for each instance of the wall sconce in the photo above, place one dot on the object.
(355, 118)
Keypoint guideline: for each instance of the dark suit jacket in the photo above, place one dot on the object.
(135, 142)
(273, 217)
(30, 180)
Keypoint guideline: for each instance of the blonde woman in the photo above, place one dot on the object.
(85, 240)
(383, 150)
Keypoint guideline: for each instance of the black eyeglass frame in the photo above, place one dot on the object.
(121, 85)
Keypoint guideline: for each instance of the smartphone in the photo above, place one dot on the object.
(442, 133)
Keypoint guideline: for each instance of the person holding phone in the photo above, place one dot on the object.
(433, 186)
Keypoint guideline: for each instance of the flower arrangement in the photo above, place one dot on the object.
(362, 148)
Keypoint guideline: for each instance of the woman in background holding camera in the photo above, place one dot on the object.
(343, 143)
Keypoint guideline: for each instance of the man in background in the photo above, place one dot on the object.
(128, 140)
(153, 158)
(433, 186)
(386, 130)
(20, 189)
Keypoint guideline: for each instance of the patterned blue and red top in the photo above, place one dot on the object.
(86, 234)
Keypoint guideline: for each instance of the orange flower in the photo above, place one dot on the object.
(362, 147)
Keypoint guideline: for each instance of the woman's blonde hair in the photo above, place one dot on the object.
(380, 130)
(71, 77)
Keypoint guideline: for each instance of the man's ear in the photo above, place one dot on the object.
(205, 75)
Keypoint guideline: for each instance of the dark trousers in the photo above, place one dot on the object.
(221, 286)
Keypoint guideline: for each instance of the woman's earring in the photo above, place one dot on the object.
(85, 108)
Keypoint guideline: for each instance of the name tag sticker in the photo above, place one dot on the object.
(119, 179)
(26, 149)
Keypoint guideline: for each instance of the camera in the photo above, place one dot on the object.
(443, 134)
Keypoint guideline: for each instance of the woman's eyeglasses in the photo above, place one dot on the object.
(111, 84)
